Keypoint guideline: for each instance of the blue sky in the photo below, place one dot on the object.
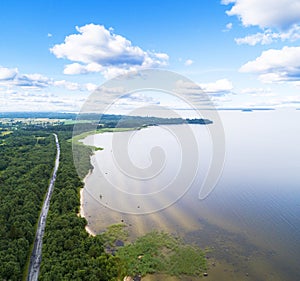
(242, 53)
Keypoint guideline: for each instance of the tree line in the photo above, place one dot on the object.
(26, 163)
(69, 252)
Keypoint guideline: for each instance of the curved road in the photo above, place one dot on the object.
(36, 255)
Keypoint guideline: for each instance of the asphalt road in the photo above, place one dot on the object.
(36, 255)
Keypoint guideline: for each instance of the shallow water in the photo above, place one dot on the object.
(251, 219)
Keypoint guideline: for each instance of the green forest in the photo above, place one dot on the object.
(26, 163)
(69, 252)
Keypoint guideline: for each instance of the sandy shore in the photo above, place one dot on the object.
(81, 210)
(81, 213)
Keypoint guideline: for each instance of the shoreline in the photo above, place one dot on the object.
(228, 258)
(81, 209)
(79, 140)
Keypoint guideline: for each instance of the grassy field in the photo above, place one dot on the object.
(155, 252)
(76, 139)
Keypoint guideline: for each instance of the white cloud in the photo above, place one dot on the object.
(186, 87)
(72, 86)
(91, 87)
(12, 81)
(137, 99)
(219, 87)
(226, 2)
(268, 36)
(35, 81)
(264, 38)
(267, 13)
(49, 35)
(11, 78)
(228, 27)
(276, 65)
(74, 68)
(8, 73)
(97, 49)
(282, 15)
(22, 92)
(188, 62)
(205, 94)
(95, 43)
(111, 72)
(161, 56)
(38, 101)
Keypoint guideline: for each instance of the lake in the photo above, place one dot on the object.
(251, 218)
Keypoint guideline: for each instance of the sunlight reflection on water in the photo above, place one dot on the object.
(257, 197)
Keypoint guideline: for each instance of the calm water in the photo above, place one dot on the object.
(252, 217)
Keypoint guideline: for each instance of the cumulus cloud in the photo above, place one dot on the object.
(264, 38)
(7, 73)
(91, 87)
(22, 100)
(32, 81)
(268, 13)
(11, 77)
(205, 94)
(188, 62)
(72, 86)
(276, 65)
(269, 36)
(186, 87)
(219, 87)
(283, 15)
(97, 49)
(137, 99)
(228, 27)
(12, 80)
(20, 91)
